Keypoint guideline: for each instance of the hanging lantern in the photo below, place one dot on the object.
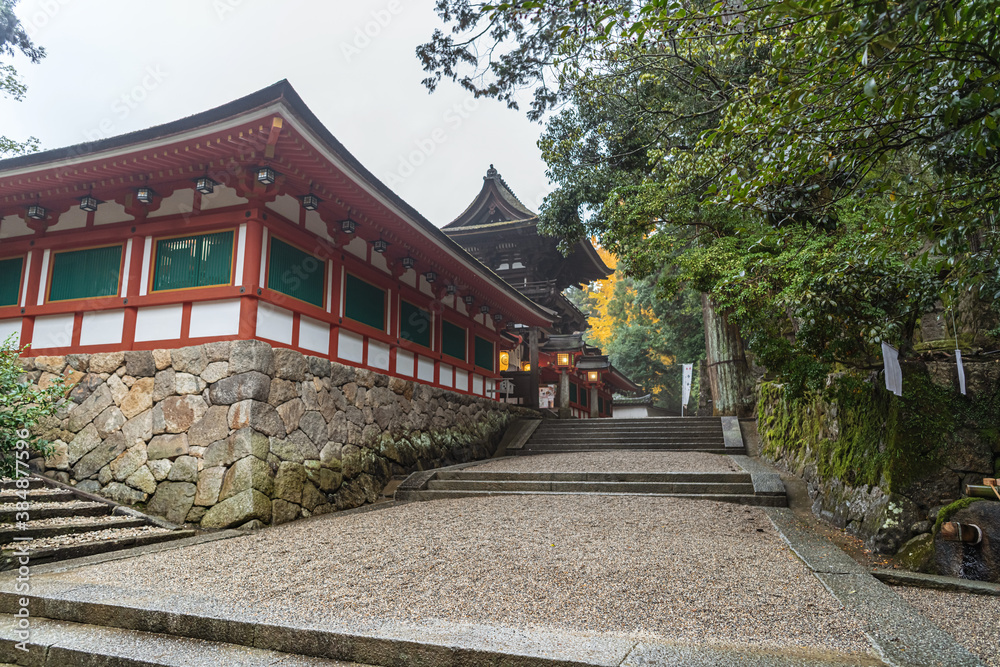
(205, 185)
(310, 202)
(266, 175)
(89, 204)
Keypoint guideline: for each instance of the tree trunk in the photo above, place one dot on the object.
(729, 377)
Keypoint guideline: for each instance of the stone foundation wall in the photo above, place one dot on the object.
(880, 466)
(227, 433)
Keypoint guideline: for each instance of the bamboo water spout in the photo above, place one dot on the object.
(969, 533)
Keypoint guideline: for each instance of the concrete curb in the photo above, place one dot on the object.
(117, 509)
(766, 482)
(936, 582)
(516, 436)
(731, 433)
(895, 629)
(392, 644)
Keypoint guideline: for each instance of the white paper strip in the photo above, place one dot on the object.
(686, 384)
(961, 371)
(893, 373)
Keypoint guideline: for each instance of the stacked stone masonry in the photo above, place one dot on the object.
(229, 433)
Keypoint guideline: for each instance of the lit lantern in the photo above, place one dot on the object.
(266, 175)
(563, 359)
(525, 366)
(36, 212)
(145, 195)
(430, 276)
(348, 226)
(310, 202)
(89, 204)
(205, 185)
(504, 360)
(593, 376)
(380, 245)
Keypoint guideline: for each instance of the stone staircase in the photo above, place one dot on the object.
(698, 434)
(55, 522)
(754, 485)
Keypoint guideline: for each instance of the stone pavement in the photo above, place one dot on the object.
(525, 580)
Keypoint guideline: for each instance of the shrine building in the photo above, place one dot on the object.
(500, 231)
(251, 221)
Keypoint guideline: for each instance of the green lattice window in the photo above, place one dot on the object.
(414, 324)
(295, 272)
(364, 302)
(573, 397)
(484, 353)
(453, 340)
(194, 261)
(10, 280)
(85, 274)
(600, 405)
(584, 398)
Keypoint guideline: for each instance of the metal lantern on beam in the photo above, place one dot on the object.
(451, 289)
(469, 299)
(205, 185)
(380, 245)
(310, 202)
(484, 309)
(594, 376)
(564, 359)
(266, 175)
(89, 204)
(37, 212)
(497, 317)
(430, 276)
(145, 195)
(408, 262)
(348, 226)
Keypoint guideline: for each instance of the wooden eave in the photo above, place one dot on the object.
(274, 127)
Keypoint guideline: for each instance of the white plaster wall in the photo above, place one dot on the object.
(111, 212)
(314, 335)
(378, 354)
(274, 323)
(179, 203)
(425, 369)
(214, 318)
(103, 327)
(447, 375)
(158, 323)
(14, 225)
(461, 379)
(286, 206)
(52, 331)
(404, 363)
(8, 327)
(477, 384)
(351, 346)
(71, 219)
(222, 197)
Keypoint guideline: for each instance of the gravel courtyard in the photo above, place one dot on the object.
(676, 569)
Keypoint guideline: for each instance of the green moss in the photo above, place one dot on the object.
(949, 511)
(882, 440)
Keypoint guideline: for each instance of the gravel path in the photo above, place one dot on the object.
(973, 620)
(635, 566)
(110, 519)
(624, 461)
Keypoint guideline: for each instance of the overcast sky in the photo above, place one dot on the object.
(115, 66)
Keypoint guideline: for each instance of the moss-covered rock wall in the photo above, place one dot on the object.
(880, 465)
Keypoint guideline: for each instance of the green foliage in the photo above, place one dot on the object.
(823, 169)
(14, 39)
(22, 407)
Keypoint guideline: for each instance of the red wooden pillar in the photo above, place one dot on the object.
(131, 289)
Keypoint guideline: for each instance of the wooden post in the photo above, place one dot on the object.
(729, 373)
(562, 397)
(594, 403)
(533, 384)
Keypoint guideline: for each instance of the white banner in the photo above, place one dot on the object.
(961, 371)
(893, 373)
(686, 385)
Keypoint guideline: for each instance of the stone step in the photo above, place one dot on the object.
(630, 429)
(624, 439)
(62, 643)
(42, 495)
(569, 449)
(665, 477)
(33, 483)
(37, 530)
(628, 488)
(10, 561)
(741, 499)
(37, 510)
